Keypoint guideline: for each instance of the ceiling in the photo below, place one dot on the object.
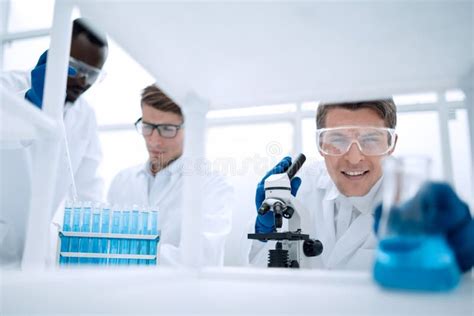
(255, 53)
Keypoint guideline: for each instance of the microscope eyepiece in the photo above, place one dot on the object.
(296, 165)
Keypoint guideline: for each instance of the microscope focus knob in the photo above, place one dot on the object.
(312, 248)
(278, 207)
(288, 213)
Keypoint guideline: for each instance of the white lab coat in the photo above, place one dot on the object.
(84, 146)
(343, 225)
(136, 185)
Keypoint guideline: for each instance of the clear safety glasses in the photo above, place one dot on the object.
(371, 141)
(164, 130)
(90, 73)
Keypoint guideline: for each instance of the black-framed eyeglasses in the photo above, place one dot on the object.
(164, 130)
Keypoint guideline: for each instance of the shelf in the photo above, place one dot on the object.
(260, 53)
(22, 121)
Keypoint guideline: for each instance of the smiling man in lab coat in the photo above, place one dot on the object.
(159, 182)
(341, 193)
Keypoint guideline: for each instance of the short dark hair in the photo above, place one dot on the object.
(84, 26)
(385, 108)
(154, 97)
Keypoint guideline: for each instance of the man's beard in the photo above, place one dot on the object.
(158, 163)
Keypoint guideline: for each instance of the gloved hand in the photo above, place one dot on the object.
(442, 212)
(266, 223)
(35, 93)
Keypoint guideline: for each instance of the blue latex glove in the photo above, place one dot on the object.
(35, 94)
(442, 212)
(266, 223)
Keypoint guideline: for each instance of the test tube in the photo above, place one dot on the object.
(144, 244)
(134, 244)
(153, 231)
(95, 229)
(125, 242)
(76, 227)
(104, 229)
(84, 242)
(114, 242)
(65, 241)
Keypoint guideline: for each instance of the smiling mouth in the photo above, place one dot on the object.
(354, 175)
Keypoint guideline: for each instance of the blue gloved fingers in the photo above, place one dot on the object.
(35, 94)
(443, 209)
(436, 209)
(43, 58)
(259, 195)
(280, 167)
(265, 223)
(377, 215)
(447, 214)
(461, 242)
(33, 98)
(71, 72)
(295, 185)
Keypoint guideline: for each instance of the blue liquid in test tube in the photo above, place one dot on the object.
(144, 244)
(95, 229)
(114, 242)
(76, 227)
(153, 231)
(125, 243)
(84, 242)
(134, 244)
(65, 241)
(104, 229)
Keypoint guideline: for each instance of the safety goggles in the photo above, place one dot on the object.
(164, 130)
(371, 141)
(90, 73)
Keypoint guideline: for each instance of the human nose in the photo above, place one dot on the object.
(155, 137)
(81, 79)
(354, 155)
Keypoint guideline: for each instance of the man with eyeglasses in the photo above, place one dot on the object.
(158, 183)
(88, 52)
(342, 193)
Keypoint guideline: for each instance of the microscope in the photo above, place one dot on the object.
(290, 245)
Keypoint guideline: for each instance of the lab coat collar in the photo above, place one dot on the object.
(364, 204)
(71, 106)
(325, 183)
(67, 106)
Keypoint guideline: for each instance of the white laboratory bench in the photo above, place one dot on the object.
(241, 291)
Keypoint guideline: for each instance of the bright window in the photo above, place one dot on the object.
(308, 128)
(24, 54)
(116, 99)
(461, 154)
(121, 149)
(244, 153)
(27, 15)
(248, 150)
(418, 134)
